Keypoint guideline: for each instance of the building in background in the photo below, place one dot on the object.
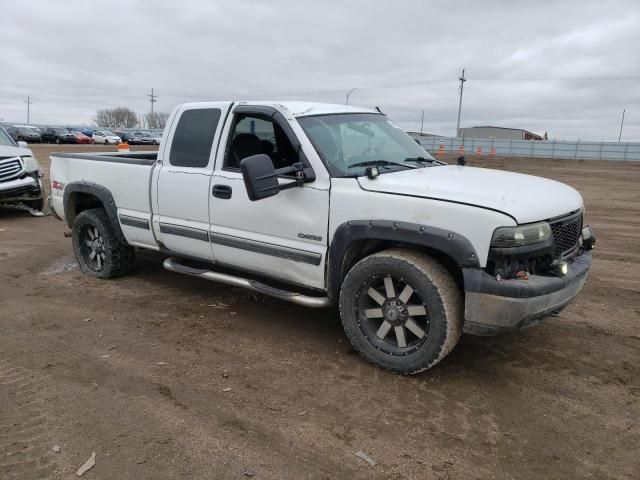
(500, 132)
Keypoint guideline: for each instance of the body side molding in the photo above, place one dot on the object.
(182, 231)
(130, 221)
(279, 251)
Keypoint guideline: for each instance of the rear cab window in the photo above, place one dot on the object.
(193, 138)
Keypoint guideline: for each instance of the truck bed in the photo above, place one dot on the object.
(126, 176)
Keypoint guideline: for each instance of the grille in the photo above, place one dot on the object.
(10, 169)
(566, 233)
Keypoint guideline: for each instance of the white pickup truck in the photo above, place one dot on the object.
(323, 204)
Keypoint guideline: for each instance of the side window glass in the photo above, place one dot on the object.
(256, 135)
(193, 138)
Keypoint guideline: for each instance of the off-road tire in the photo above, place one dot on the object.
(436, 288)
(118, 257)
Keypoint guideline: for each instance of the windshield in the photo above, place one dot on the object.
(349, 143)
(5, 139)
(108, 133)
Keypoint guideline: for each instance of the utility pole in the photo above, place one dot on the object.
(422, 122)
(462, 80)
(621, 124)
(28, 102)
(349, 94)
(152, 99)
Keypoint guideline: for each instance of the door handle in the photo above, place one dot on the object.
(221, 191)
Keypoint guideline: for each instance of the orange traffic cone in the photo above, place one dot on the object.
(479, 151)
(461, 150)
(440, 150)
(492, 153)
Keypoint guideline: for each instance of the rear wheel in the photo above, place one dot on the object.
(97, 248)
(402, 310)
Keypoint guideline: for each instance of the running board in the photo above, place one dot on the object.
(172, 264)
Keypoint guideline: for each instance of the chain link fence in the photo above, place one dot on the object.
(532, 148)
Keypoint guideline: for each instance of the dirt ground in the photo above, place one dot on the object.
(166, 376)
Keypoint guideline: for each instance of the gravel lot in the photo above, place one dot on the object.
(166, 376)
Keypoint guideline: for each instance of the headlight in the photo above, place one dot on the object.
(505, 237)
(31, 164)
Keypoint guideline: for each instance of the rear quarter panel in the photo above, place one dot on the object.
(128, 184)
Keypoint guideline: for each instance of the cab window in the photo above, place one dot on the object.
(253, 135)
(193, 138)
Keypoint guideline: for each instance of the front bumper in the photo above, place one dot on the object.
(496, 306)
(25, 188)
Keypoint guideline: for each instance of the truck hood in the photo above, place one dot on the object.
(524, 197)
(10, 151)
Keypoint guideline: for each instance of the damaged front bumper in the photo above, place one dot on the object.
(495, 306)
(21, 189)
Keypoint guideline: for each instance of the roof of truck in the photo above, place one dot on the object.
(300, 108)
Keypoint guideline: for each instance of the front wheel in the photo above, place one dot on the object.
(401, 310)
(97, 249)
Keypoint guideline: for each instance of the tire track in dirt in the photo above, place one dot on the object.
(25, 449)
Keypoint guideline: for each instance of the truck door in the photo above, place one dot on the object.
(182, 220)
(284, 236)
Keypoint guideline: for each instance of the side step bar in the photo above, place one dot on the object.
(172, 264)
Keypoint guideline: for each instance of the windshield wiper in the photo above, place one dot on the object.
(380, 163)
(422, 160)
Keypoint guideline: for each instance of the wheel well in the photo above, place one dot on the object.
(359, 249)
(78, 202)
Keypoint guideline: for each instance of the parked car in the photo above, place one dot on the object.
(340, 207)
(157, 137)
(135, 137)
(105, 137)
(20, 174)
(147, 138)
(81, 138)
(125, 136)
(57, 135)
(25, 133)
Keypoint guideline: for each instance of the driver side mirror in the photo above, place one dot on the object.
(23, 144)
(261, 177)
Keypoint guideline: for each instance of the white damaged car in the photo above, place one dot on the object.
(20, 174)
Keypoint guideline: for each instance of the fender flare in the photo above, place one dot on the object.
(101, 193)
(454, 245)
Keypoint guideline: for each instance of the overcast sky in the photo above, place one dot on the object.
(568, 68)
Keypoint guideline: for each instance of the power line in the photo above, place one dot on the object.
(152, 100)
(621, 124)
(462, 80)
(28, 102)
(349, 94)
